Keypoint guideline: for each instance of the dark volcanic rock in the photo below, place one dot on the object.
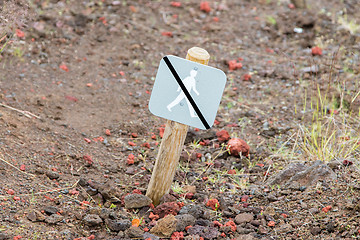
(184, 221)
(298, 175)
(134, 232)
(118, 225)
(51, 210)
(205, 232)
(53, 219)
(137, 201)
(194, 210)
(92, 220)
(36, 216)
(52, 175)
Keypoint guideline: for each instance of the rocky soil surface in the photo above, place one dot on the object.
(78, 143)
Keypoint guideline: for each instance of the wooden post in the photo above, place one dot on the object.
(171, 145)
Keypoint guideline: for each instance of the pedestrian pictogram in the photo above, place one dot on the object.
(187, 92)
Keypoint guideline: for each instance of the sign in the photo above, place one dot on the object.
(187, 92)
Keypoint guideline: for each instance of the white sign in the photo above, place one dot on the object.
(187, 92)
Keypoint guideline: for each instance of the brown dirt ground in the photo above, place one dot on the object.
(112, 50)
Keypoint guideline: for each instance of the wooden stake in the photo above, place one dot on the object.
(171, 145)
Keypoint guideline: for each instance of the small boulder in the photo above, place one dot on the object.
(193, 210)
(52, 175)
(53, 219)
(136, 201)
(205, 232)
(244, 218)
(134, 232)
(50, 210)
(36, 216)
(298, 175)
(167, 208)
(118, 225)
(184, 221)
(92, 220)
(165, 226)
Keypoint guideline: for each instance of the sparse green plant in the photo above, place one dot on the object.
(271, 20)
(349, 25)
(177, 188)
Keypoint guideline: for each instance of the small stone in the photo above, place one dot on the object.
(202, 222)
(134, 232)
(52, 175)
(92, 220)
(121, 235)
(193, 210)
(238, 146)
(184, 221)
(167, 208)
(53, 219)
(256, 223)
(245, 237)
(262, 230)
(50, 210)
(118, 225)
(148, 235)
(272, 197)
(205, 232)
(269, 211)
(137, 201)
(167, 198)
(330, 227)
(315, 230)
(36, 216)
(165, 226)
(313, 210)
(4, 236)
(189, 189)
(244, 218)
(285, 228)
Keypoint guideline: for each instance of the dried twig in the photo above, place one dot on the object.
(25, 113)
(3, 160)
(44, 192)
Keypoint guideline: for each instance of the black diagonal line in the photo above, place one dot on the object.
(187, 94)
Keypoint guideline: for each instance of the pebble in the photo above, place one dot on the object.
(165, 226)
(245, 237)
(315, 230)
(36, 216)
(136, 201)
(50, 210)
(193, 210)
(269, 211)
(52, 175)
(205, 232)
(53, 219)
(92, 220)
(148, 235)
(313, 210)
(244, 218)
(118, 225)
(134, 232)
(167, 208)
(184, 221)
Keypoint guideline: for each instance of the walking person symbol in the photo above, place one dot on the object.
(190, 84)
